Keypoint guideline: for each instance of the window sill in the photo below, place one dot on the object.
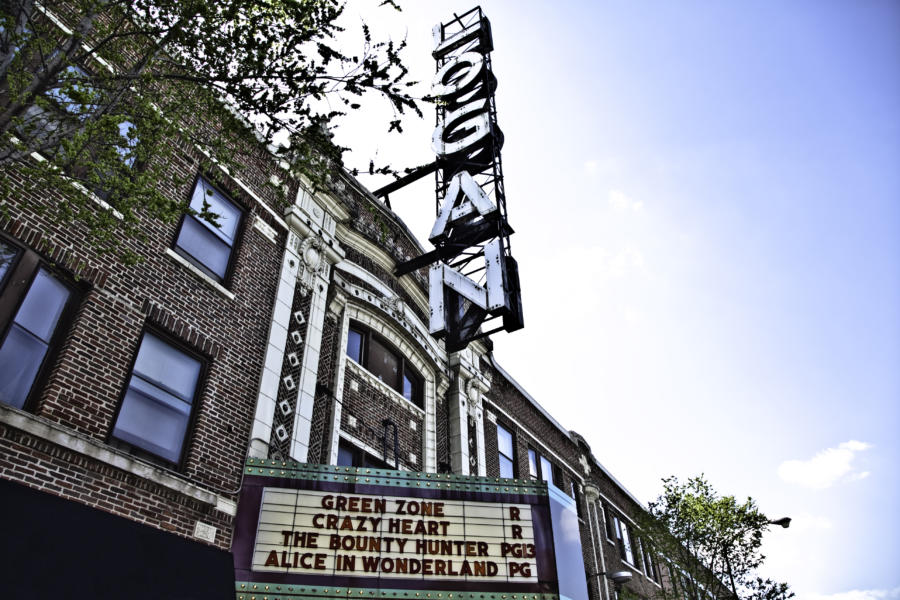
(200, 274)
(391, 392)
(38, 157)
(61, 436)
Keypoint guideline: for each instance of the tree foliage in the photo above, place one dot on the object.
(99, 97)
(712, 543)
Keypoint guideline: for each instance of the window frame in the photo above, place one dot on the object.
(14, 287)
(500, 455)
(622, 529)
(405, 366)
(536, 469)
(225, 279)
(650, 567)
(609, 528)
(142, 453)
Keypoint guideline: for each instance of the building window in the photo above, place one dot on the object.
(608, 518)
(74, 93)
(33, 304)
(505, 452)
(208, 246)
(156, 411)
(546, 470)
(540, 467)
(684, 584)
(622, 535)
(385, 363)
(650, 567)
(8, 254)
(351, 456)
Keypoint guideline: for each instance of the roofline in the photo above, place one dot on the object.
(522, 391)
(568, 433)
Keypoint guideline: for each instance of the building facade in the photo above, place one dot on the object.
(149, 413)
(138, 392)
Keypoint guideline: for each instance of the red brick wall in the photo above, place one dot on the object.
(84, 386)
(39, 464)
(370, 405)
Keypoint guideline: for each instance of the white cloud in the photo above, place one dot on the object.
(854, 595)
(855, 445)
(621, 202)
(825, 468)
(591, 167)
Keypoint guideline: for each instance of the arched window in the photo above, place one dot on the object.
(385, 363)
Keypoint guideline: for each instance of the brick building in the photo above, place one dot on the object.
(127, 393)
(140, 390)
(292, 339)
(135, 401)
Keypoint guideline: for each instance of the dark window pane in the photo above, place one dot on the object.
(383, 363)
(506, 467)
(208, 249)
(354, 345)
(42, 306)
(7, 255)
(228, 213)
(345, 456)
(504, 441)
(412, 389)
(20, 359)
(370, 462)
(611, 524)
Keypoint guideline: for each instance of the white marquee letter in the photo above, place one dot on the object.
(474, 199)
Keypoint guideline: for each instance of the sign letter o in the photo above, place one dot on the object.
(471, 62)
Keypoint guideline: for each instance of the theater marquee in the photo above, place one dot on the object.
(366, 529)
(385, 536)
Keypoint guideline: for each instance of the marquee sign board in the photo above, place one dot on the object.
(319, 526)
(473, 278)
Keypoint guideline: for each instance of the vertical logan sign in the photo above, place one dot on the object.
(473, 278)
(302, 528)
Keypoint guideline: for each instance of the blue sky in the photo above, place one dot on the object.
(706, 197)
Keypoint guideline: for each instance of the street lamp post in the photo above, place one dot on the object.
(782, 522)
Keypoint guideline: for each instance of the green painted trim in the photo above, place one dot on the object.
(386, 477)
(248, 590)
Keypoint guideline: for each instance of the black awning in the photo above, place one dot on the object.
(53, 548)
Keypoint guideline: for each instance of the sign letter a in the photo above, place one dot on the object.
(455, 208)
